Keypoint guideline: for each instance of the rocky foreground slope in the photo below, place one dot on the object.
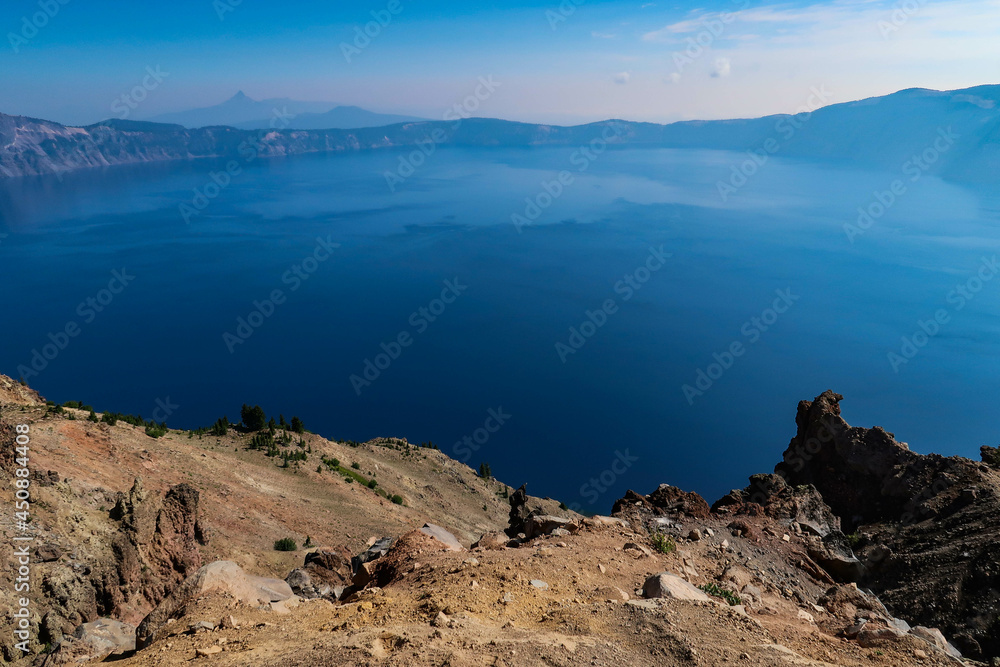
(160, 551)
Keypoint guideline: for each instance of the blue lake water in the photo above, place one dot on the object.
(581, 426)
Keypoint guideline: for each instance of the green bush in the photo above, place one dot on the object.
(663, 543)
(356, 465)
(397, 499)
(714, 589)
(297, 425)
(286, 544)
(92, 417)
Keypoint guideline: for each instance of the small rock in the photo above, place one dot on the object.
(202, 625)
(695, 535)
(601, 568)
(632, 546)
(920, 654)
(207, 651)
(786, 537)
(492, 541)
(46, 553)
(852, 632)
(539, 584)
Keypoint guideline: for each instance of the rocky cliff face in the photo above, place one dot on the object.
(924, 527)
(33, 147)
(864, 133)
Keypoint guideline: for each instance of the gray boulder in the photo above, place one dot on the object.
(666, 585)
(374, 552)
(443, 536)
(218, 577)
(833, 553)
(93, 642)
(543, 524)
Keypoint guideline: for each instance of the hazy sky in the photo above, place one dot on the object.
(578, 61)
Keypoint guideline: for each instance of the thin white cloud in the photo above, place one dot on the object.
(715, 24)
(602, 35)
(723, 67)
(622, 78)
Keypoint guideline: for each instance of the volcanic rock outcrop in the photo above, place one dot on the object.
(923, 526)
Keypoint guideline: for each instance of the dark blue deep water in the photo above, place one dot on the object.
(616, 408)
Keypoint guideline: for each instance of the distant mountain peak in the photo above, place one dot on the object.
(241, 97)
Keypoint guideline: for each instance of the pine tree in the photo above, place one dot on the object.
(253, 418)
